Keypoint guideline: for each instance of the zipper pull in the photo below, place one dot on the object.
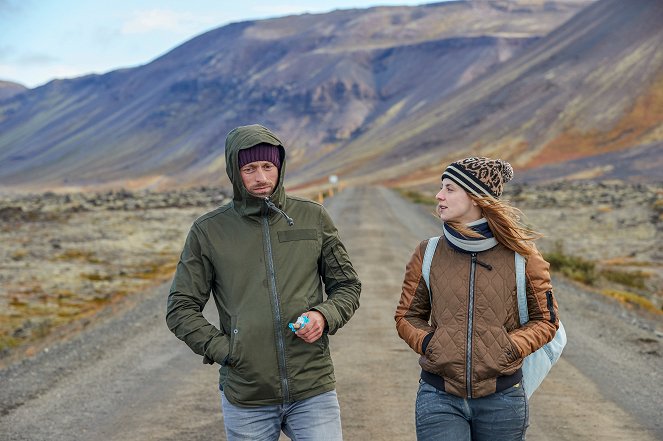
(273, 207)
(488, 266)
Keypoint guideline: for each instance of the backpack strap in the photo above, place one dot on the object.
(521, 290)
(425, 266)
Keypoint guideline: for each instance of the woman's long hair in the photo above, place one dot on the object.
(504, 221)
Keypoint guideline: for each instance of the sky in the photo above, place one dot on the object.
(41, 40)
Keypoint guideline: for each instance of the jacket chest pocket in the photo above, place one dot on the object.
(299, 244)
(300, 234)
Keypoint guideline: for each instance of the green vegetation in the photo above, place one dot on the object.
(78, 255)
(573, 267)
(8, 342)
(96, 277)
(32, 314)
(586, 272)
(30, 326)
(416, 196)
(633, 279)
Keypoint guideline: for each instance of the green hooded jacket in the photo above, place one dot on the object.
(262, 273)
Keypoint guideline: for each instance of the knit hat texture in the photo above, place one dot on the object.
(480, 176)
(260, 152)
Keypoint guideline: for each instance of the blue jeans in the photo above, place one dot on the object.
(314, 419)
(502, 416)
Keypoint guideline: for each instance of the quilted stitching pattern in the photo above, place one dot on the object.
(495, 313)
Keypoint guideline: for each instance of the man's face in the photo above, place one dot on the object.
(260, 178)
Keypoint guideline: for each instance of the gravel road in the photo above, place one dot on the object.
(126, 377)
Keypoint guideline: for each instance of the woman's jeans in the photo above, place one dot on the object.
(314, 419)
(502, 416)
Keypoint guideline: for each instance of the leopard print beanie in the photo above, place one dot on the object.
(480, 176)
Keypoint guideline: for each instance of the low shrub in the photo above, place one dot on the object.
(632, 279)
(631, 299)
(573, 267)
(417, 197)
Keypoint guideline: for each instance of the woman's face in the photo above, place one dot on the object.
(454, 204)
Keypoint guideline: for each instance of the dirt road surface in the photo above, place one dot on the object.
(126, 377)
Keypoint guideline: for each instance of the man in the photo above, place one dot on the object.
(264, 258)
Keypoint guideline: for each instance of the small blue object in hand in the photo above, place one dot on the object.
(302, 320)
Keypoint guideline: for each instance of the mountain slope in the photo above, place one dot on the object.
(318, 80)
(593, 86)
(9, 89)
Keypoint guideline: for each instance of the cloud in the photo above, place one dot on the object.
(30, 69)
(36, 59)
(35, 75)
(152, 20)
(281, 9)
(12, 55)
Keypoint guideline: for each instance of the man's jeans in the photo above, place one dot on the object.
(502, 416)
(314, 419)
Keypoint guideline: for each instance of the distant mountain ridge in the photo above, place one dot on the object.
(359, 93)
(9, 89)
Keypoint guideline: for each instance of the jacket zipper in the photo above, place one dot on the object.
(280, 342)
(273, 207)
(470, 325)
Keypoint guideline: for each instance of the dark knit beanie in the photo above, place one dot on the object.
(260, 152)
(480, 176)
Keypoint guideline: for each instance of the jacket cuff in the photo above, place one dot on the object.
(424, 344)
(217, 350)
(327, 314)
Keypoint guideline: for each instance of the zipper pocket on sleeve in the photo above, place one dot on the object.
(551, 306)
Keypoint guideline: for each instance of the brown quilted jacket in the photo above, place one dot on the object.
(476, 334)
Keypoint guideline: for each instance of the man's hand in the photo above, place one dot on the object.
(314, 328)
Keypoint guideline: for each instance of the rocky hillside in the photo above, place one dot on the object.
(319, 80)
(585, 102)
(606, 235)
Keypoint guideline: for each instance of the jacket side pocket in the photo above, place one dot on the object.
(234, 335)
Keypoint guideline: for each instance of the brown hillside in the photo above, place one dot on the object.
(642, 123)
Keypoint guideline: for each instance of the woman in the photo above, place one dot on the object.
(466, 329)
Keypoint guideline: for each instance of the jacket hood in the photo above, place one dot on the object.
(245, 137)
